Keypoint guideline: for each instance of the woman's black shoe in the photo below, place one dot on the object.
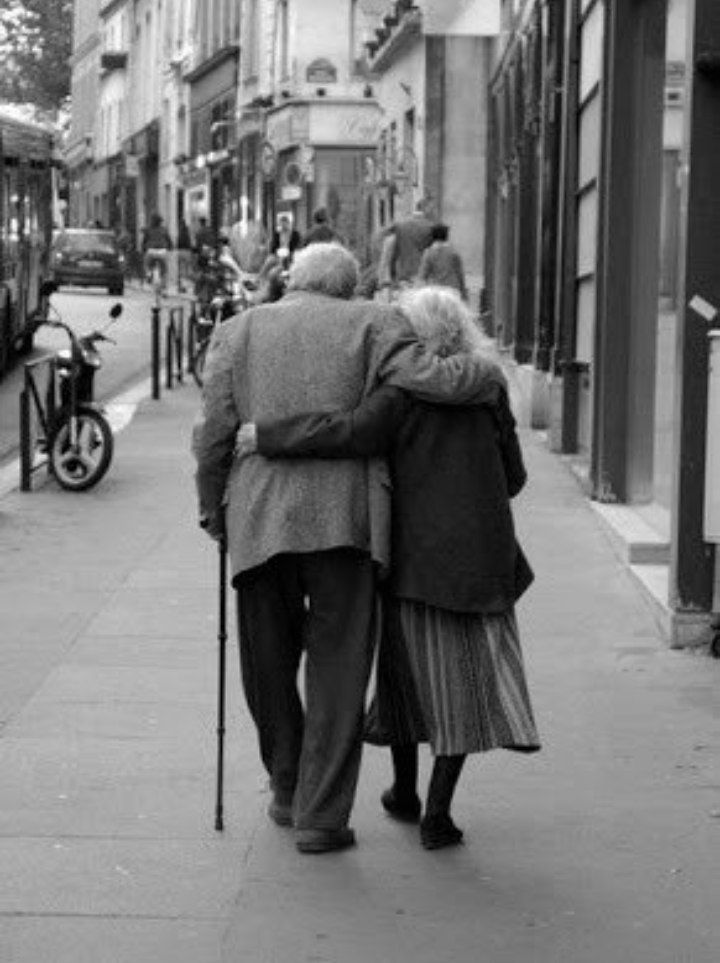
(406, 810)
(439, 831)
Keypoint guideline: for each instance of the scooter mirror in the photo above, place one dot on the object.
(116, 310)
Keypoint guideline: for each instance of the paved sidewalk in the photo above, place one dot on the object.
(604, 847)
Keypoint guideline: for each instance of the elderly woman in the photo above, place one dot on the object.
(450, 668)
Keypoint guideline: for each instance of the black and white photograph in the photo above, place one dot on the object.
(359, 481)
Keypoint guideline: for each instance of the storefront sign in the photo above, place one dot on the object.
(321, 71)
(288, 126)
(291, 192)
(345, 124)
(132, 165)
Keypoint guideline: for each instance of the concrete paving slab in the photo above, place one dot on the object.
(139, 652)
(185, 613)
(106, 788)
(152, 686)
(75, 939)
(122, 720)
(173, 878)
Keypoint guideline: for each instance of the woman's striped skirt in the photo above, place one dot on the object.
(455, 680)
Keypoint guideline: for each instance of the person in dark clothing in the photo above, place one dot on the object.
(321, 230)
(156, 245)
(450, 667)
(205, 236)
(411, 236)
(285, 240)
(184, 254)
(441, 264)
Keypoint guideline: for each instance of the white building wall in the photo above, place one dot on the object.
(401, 88)
(465, 18)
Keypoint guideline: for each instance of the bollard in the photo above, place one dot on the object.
(155, 361)
(169, 355)
(180, 341)
(191, 340)
(25, 442)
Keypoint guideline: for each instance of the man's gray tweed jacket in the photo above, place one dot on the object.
(309, 352)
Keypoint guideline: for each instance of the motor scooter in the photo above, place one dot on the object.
(223, 289)
(79, 439)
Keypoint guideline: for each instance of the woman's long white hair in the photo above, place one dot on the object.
(439, 314)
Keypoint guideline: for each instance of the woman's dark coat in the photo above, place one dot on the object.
(453, 470)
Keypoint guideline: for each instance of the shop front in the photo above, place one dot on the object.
(213, 141)
(320, 152)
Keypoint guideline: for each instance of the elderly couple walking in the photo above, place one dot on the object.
(362, 458)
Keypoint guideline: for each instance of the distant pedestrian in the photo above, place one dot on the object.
(156, 247)
(184, 255)
(321, 230)
(205, 237)
(412, 236)
(441, 263)
(450, 669)
(285, 240)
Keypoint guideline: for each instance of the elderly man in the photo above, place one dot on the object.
(301, 537)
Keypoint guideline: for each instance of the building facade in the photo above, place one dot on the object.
(84, 187)
(587, 265)
(432, 65)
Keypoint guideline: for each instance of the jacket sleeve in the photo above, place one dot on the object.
(401, 360)
(509, 444)
(213, 438)
(367, 430)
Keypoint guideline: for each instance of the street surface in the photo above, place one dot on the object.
(603, 848)
(86, 309)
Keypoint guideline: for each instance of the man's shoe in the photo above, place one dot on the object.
(280, 813)
(324, 840)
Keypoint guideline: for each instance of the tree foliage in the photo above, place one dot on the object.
(35, 46)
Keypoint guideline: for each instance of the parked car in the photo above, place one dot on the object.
(88, 257)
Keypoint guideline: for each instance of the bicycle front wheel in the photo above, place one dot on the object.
(80, 450)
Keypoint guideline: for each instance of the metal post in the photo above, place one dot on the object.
(155, 360)
(192, 322)
(180, 342)
(25, 441)
(169, 354)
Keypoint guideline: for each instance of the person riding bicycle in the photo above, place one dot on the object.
(156, 246)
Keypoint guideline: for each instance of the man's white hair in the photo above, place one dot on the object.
(326, 269)
(440, 314)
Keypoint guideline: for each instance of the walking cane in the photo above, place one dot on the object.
(222, 639)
